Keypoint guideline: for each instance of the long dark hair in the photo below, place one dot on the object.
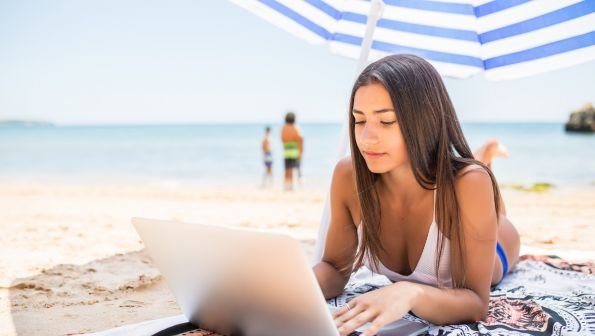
(436, 147)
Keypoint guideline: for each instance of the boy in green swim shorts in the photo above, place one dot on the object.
(293, 147)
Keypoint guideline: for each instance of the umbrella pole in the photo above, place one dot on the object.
(376, 8)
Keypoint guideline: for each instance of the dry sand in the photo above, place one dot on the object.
(72, 263)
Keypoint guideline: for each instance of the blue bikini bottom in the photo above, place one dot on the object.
(502, 256)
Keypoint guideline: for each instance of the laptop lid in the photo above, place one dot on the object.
(238, 281)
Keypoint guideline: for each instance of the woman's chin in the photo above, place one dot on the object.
(376, 168)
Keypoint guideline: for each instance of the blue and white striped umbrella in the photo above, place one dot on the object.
(504, 38)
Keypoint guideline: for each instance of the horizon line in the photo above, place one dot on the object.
(40, 123)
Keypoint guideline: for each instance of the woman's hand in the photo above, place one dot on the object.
(379, 307)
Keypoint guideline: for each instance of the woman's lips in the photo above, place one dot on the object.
(372, 155)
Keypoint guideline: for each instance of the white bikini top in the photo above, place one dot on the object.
(425, 270)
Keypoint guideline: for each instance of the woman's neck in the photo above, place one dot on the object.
(400, 184)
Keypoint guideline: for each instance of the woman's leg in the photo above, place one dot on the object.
(491, 149)
(509, 239)
(508, 236)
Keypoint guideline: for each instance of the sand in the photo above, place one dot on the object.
(72, 263)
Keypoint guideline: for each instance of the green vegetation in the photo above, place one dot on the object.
(536, 187)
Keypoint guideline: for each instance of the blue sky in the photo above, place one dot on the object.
(188, 61)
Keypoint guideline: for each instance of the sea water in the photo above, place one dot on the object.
(229, 155)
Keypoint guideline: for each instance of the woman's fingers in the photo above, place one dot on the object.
(348, 307)
(355, 322)
(379, 322)
(350, 311)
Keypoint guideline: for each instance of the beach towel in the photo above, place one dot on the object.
(542, 295)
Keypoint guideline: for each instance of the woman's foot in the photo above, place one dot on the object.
(491, 149)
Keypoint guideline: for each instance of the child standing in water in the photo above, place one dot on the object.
(412, 203)
(267, 179)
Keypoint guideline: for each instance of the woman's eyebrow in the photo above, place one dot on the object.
(377, 111)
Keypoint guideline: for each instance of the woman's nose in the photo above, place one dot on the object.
(370, 134)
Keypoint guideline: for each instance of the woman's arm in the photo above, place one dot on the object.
(480, 230)
(330, 280)
(335, 268)
(441, 305)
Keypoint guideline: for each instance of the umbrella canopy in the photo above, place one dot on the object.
(504, 38)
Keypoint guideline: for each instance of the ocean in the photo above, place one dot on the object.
(229, 155)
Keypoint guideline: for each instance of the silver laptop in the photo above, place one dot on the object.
(243, 282)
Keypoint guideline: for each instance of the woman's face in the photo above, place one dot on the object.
(377, 132)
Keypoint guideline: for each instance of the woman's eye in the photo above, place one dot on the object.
(360, 122)
(388, 122)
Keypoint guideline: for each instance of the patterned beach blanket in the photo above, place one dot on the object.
(542, 295)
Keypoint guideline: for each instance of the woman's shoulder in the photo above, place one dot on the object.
(344, 178)
(344, 170)
(472, 172)
(475, 193)
(472, 177)
(343, 188)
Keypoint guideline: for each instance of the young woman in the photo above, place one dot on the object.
(413, 204)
